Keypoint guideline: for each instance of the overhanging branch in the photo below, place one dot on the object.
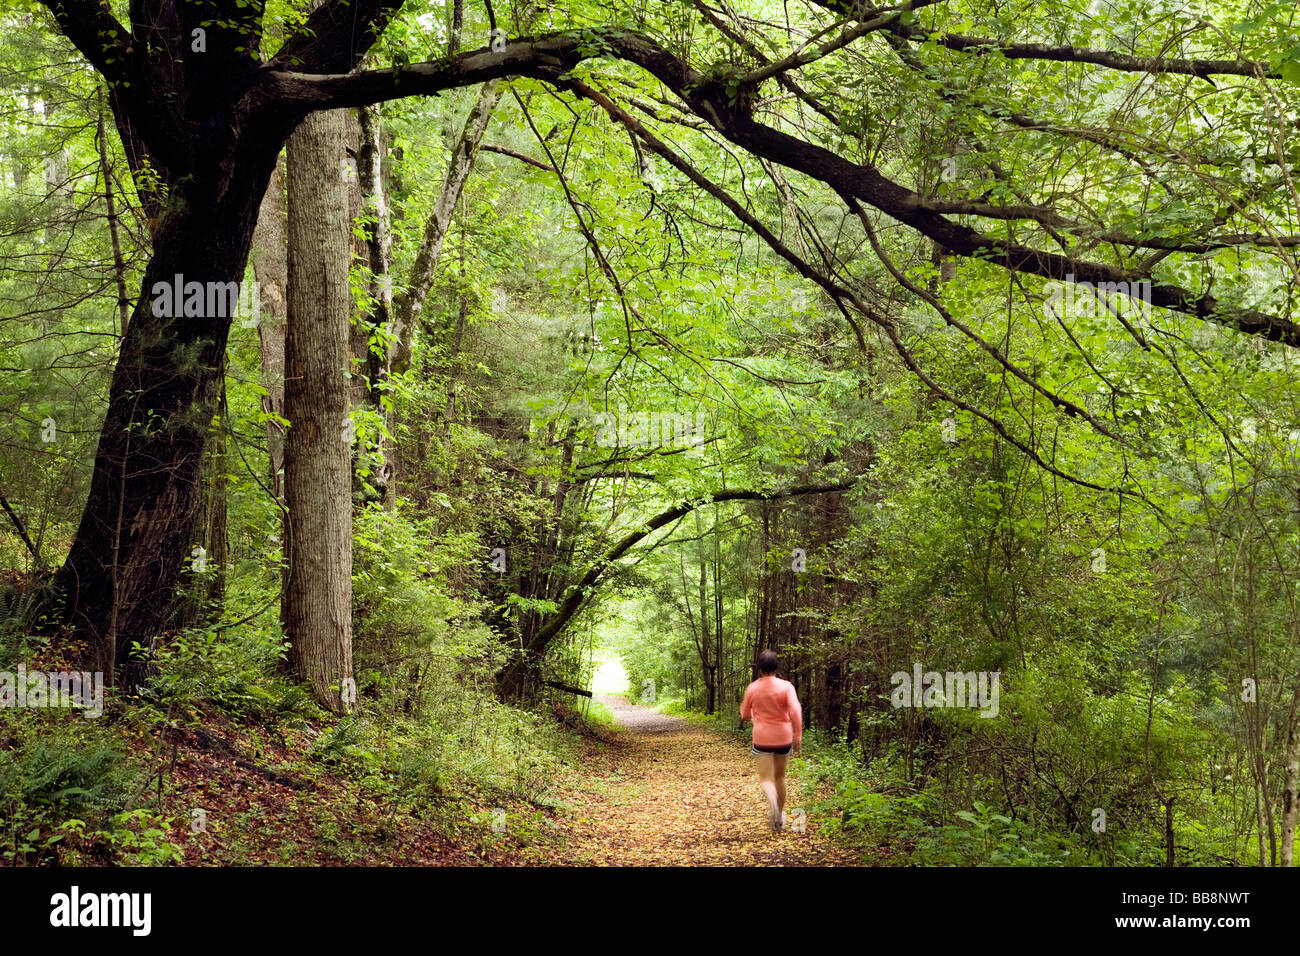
(552, 57)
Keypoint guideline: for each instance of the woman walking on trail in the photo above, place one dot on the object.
(778, 730)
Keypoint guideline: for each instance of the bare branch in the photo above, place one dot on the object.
(522, 157)
(1073, 54)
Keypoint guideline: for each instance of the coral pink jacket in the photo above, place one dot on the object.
(774, 707)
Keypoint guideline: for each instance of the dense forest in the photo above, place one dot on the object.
(410, 408)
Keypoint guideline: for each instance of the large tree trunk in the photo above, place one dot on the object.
(138, 527)
(207, 129)
(317, 606)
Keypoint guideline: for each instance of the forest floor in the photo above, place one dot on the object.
(655, 790)
(662, 791)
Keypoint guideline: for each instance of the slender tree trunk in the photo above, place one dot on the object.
(834, 697)
(1291, 783)
(408, 306)
(718, 652)
(706, 638)
(1260, 825)
(379, 240)
(1169, 831)
(271, 269)
(377, 254)
(317, 606)
(210, 568)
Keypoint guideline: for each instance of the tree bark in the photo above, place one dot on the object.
(202, 135)
(110, 208)
(377, 256)
(708, 672)
(379, 239)
(1291, 783)
(136, 531)
(317, 606)
(271, 269)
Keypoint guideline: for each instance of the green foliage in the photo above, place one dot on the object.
(1101, 511)
(229, 668)
(140, 838)
(61, 777)
(920, 825)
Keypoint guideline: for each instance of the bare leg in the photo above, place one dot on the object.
(767, 783)
(779, 762)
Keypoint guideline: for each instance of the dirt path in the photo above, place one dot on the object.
(669, 793)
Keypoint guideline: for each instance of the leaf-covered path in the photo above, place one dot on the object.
(667, 792)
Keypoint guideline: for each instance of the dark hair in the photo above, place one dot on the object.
(767, 662)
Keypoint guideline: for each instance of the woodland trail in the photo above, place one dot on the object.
(667, 792)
